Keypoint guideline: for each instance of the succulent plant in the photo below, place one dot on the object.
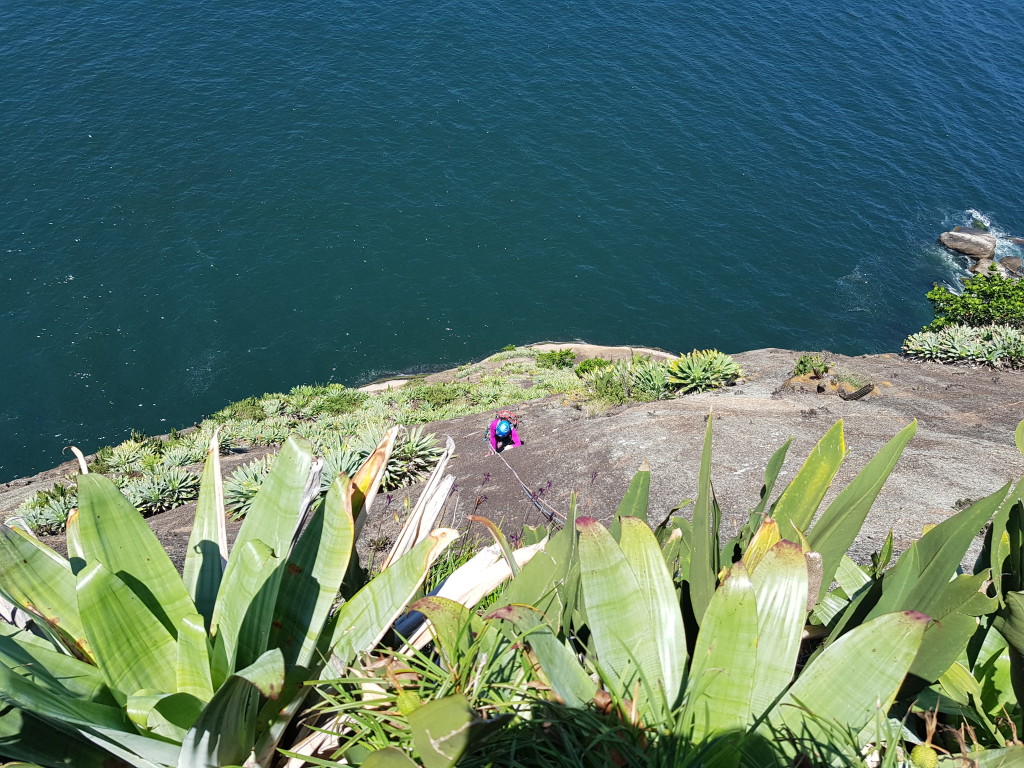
(167, 488)
(702, 370)
(991, 345)
(243, 484)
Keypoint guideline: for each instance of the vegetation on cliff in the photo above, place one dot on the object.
(649, 641)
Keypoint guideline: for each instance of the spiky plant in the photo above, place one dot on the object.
(169, 488)
(46, 512)
(991, 345)
(414, 455)
(339, 458)
(241, 487)
(703, 370)
(129, 455)
(183, 453)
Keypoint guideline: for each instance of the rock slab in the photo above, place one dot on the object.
(971, 242)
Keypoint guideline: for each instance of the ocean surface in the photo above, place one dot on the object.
(202, 200)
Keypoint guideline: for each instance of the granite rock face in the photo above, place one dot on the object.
(975, 243)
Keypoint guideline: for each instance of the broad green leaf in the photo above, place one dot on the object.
(252, 577)
(314, 574)
(850, 576)
(568, 679)
(57, 672)
(944, 641)
(1008, 757)
(992, 669)
(167, 715)
(274, 514)
(771, 475)
(1018, 437)
(44, 587)
(704, 555)
(133, 649)
(133, 748)
(63, 710)
(441, 730)
(959, 684)
(225, 731)
(798, 503)
(454, 628)
(389, 757)
(780, 590)
(361, 622)
(852, 679)
(720, 686)
(193, 664)
(244, 611)
(843, 519)
(1005, 526)
(634, 503)
(25, 737)
(658, 593)
(76, 555)
(113, 532)
(921, 576)
(207, 553)
(625, 647)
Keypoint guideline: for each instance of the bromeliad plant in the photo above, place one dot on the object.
(140, 666)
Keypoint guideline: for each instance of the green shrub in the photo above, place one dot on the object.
(987, 299)
(703, 370)
(591, 364)
(440, 395)
(248, 409)
(811, 364)
(556, 358)
(509, 348)
(101, 464)
(638, 379)
(337, 402)
(992, 345)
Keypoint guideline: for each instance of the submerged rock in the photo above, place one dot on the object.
(971, 242)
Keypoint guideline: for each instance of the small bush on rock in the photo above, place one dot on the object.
(986, 299)
(556, 358)
(811, 364)
(591, 364)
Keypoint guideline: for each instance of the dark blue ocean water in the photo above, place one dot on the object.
(206, 200)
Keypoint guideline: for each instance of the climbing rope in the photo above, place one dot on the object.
(553, 515)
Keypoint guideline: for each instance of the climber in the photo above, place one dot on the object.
(502, 431)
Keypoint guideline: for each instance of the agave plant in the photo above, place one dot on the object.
(992, 345)
(702, 370)
(141, 665)
(241, 488)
